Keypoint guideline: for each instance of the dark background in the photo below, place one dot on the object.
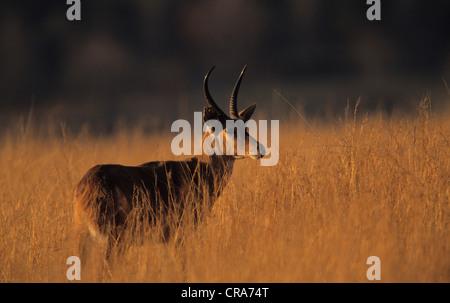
(144, 61)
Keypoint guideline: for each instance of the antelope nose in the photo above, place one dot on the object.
(261, 151)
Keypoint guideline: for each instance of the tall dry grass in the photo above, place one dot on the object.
(341, 192)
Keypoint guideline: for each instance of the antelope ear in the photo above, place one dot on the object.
(247, 113)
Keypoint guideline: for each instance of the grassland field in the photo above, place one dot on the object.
(343, 190)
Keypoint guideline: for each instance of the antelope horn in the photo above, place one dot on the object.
(233, 100)
(208, 97)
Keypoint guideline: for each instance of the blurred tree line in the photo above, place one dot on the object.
(164, 47)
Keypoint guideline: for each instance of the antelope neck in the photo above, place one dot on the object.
(221, 163)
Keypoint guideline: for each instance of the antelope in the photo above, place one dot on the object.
(106, 195)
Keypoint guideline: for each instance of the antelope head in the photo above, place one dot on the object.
(231, 132)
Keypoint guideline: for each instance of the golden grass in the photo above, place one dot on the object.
(342, 191)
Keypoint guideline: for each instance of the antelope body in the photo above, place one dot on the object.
(107, 194)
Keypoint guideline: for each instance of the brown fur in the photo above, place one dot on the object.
(106, 195)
